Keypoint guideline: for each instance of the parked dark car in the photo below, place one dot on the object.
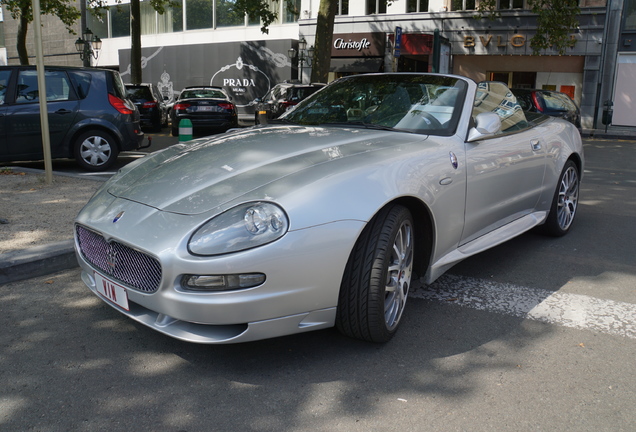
(549, 102)
(208, 108)
(280, 98)
(90, 118)
(153, 111)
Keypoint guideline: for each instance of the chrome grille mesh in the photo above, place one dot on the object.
(117, 261)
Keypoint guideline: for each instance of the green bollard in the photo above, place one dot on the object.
(185, 130)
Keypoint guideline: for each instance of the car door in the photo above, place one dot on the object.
(23, 125)
(504, 173)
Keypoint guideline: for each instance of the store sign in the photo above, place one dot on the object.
(358, 45)
(515, 40)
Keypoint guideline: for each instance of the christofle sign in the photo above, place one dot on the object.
(358, 44)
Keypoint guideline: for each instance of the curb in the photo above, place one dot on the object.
(37, 261)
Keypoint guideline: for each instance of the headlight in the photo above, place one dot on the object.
(246, 226)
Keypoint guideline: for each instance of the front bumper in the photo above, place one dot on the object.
(303, 274)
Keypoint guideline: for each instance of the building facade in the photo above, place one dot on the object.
(206, 42)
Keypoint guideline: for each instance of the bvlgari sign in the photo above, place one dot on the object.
(515, 40)
(358, 45)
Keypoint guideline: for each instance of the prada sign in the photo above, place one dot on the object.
(358, 45)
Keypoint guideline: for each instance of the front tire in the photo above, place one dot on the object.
(377, 277)
(95, 150)
(565, 202)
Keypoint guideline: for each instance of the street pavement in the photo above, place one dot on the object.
(536, 334)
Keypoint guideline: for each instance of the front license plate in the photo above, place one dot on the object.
(111, 291)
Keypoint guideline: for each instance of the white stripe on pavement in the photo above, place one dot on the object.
(569, 310)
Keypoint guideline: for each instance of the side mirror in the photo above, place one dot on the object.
(488, 124)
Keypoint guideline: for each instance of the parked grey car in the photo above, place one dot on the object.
(90, 118)
(324, 217)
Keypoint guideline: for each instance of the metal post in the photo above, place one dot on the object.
(44, 113)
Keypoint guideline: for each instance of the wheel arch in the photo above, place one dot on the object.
(424, 231)
(90, 127)
(578, 161)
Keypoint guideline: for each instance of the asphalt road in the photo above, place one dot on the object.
(536, 334)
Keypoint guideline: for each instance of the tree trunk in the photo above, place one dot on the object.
(23, 27)
(135, 39)
(324, 35)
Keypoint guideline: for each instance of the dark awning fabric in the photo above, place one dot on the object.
(356, 64)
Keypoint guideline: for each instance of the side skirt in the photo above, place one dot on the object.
(487, 241)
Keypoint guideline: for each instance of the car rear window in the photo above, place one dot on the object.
(202, 93)
(139, 92)
(118, 87)
(82, 82)
(300, 93)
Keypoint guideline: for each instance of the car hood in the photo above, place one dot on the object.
(203, 174)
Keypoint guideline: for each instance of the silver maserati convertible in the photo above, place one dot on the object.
(326, 216)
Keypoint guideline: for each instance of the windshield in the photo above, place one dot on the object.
(420, 103)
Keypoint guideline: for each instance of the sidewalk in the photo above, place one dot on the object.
(36, 221)
(53, 257)
(613, 132)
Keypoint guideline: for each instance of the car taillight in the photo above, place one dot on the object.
(119, 104)
(180, 106)
(537, 102)
(150, 104)
(227, 106)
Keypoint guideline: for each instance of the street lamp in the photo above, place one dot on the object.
(304, 55)
(88, 46)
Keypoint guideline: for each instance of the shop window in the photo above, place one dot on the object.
(462, 5)
(417, 6)
(629, 12)
(198, 14)
(148, 19)
(512, 4)
(98, 24)
(514, 80)
(343, 7)
(291, 11)
(171, 21)
(376, 7)
(120, 20)
(227, 15)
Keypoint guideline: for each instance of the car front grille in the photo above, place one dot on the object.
(119, 262)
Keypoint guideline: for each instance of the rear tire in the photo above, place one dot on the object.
(95, 150)
(565, 202)
(377, 277)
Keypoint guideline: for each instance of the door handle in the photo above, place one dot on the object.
(63, 111)
(536, 145)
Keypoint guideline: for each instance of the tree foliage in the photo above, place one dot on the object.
(22, 11)
(556, 21)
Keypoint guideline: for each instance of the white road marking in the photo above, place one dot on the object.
(568, 310)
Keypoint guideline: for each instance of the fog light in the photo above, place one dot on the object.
(222, 282)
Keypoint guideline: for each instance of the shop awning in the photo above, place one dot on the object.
(356, 64)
